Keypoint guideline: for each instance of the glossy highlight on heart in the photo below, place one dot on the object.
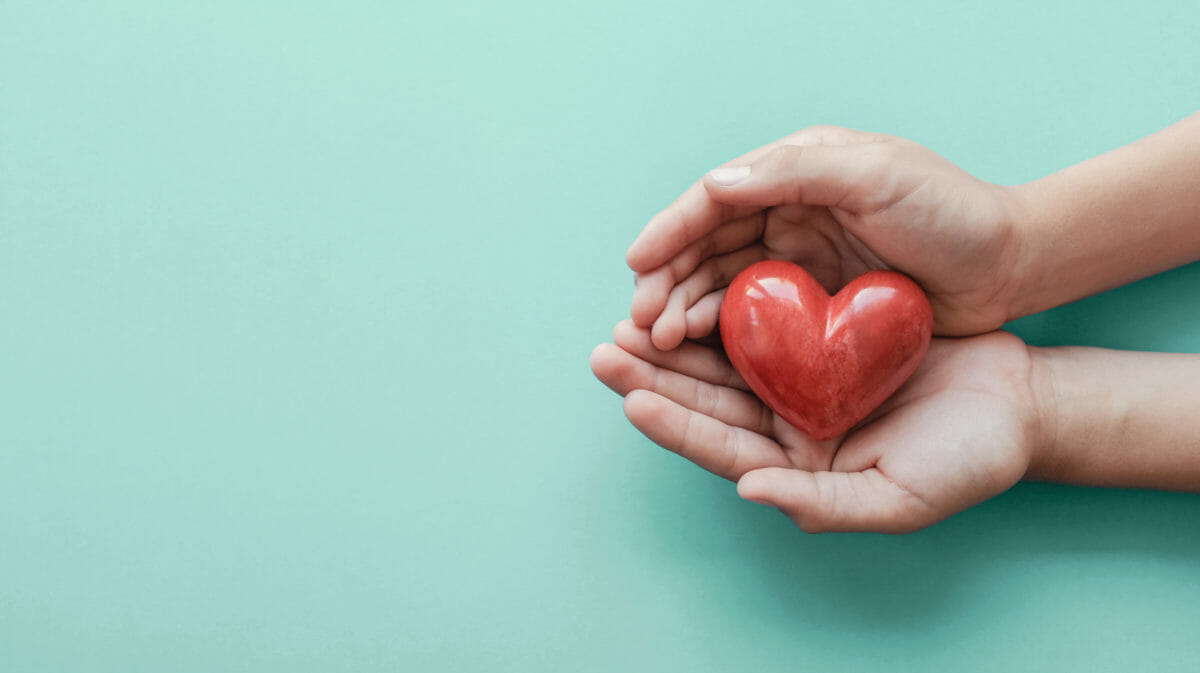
(823, 363)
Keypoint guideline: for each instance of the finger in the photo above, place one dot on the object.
(702, 316)
(671, 326)
(853, 177)
(692, 216)
(696, 213)
(722, 449)
(839, 501)
(624, 373)
(650, 295)
(689, 359)
(653, 287)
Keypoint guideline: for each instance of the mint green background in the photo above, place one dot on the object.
(296, 303)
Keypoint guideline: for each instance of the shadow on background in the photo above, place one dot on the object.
(1146, 315)
(901, 584)
(749, 562)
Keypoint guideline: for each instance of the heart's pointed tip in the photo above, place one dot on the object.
(826, 436)
(823, 433)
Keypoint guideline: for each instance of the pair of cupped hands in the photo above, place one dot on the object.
(839, 203)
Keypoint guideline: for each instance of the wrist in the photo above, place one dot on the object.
(1107, 221)
(1081, 411)
(1027, 214)
(1046, 420)
(1115, 418)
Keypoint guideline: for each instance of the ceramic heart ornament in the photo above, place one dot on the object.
(823, 363)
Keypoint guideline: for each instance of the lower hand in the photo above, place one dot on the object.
(961, 430)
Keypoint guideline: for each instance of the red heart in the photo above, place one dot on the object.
(823, 363)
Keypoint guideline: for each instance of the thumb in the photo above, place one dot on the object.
(838, 501)
(854, 177)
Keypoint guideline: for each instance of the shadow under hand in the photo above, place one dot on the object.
(752, 563)
(755, 562)
(1154, 314)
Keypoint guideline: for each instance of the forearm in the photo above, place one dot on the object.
(1113, 219)
(1117, 418)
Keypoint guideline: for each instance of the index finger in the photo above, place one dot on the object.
(691, 217)
(695, 214)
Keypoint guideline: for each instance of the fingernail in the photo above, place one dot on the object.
(729, 175)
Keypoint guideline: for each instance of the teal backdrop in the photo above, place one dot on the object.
(296, 302)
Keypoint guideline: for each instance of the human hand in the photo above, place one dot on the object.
(839, 203)
(961, 430)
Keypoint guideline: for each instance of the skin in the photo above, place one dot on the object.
(967, 409)
(987, 410)
(841, 202)
(1118, 418)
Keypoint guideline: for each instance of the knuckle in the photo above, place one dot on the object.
(882, 153)
(732, 456)
(766, 420)
(709, 399)
(686, 439)
(823, 133)
(785, 155)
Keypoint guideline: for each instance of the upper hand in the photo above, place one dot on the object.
(961, 430)
(839, 203)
